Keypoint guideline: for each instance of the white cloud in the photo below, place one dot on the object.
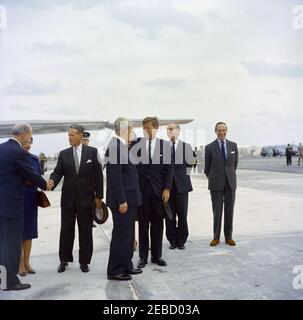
(170, 83)
(283, 69)
(29, 87)
(57, 47)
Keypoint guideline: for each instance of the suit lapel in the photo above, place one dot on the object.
(83, 156)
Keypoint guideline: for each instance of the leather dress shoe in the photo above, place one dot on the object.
(19, 286)
(159, 262)
(84, 267)
(134, 271)
(62, 266)
(141, 263)
(181, 247)
(214, 242)
(120, 277)
(172, 246)
(230, 242)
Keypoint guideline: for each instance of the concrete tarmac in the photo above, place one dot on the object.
(268, 229)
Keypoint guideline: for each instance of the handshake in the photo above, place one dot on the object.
(50, 185)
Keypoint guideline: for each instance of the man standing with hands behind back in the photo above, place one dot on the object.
(221, 160)
(82, 189)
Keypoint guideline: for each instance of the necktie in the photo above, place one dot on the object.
(149, 152)
(173, 151)
(223, 150)
(76, 159)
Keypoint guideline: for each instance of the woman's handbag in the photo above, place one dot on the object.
(42, 200)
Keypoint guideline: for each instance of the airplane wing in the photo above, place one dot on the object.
(47, 127)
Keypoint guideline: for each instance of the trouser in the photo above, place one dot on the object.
(150, 220)
(288, 160)
(122, 242)
(67, 233)
(227, 198)
(300, 159)
(10, 249)
(177, 231)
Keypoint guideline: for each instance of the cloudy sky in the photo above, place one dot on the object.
(236, 61)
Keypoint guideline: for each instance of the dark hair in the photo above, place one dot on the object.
(32, 139)
(154, 121)
(218, 123)
(77, 127)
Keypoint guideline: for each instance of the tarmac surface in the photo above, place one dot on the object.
(268, 229)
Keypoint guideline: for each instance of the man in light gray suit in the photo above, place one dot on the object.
(221, 160)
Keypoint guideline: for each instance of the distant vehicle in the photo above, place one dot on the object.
(277, 150)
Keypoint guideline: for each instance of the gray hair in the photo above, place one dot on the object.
(21, 128)
(77, 127)
(121, 123)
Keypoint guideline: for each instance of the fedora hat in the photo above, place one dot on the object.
(100, 215)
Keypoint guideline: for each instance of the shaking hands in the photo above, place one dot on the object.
(50, 185)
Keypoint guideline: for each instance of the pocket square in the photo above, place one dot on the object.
(89, 161)
(232, 151)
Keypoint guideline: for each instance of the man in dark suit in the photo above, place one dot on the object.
(123, 196)
(155, 175)
(183, 160)
(221, 161)
(82, 189)
(15, 170)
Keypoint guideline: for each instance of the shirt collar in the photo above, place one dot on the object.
(176, 142)
(16, 140)
(79, 148)
(152, 141)
(221, 140)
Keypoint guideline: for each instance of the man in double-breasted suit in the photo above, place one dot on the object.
(82, 189)
(123, 196)
(155, 170)
(221, 161)
(183, 160)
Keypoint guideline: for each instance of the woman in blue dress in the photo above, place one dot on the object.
(30, 216)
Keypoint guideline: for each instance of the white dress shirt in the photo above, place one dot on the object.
(153, 145)
(176, 144)
(79, 152)
(225, 146)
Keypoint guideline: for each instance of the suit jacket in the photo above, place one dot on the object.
(160, 172)
(121, 176)
(15, 169)
(86, 185)
(184, 161)
(217, 171)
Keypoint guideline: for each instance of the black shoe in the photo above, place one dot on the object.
(120, 277)
(84, 267)
(159, 262)
(62, 266)
(172, 246)
(181, 247)
(135, 271)
(141, 263)
(19, 286)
